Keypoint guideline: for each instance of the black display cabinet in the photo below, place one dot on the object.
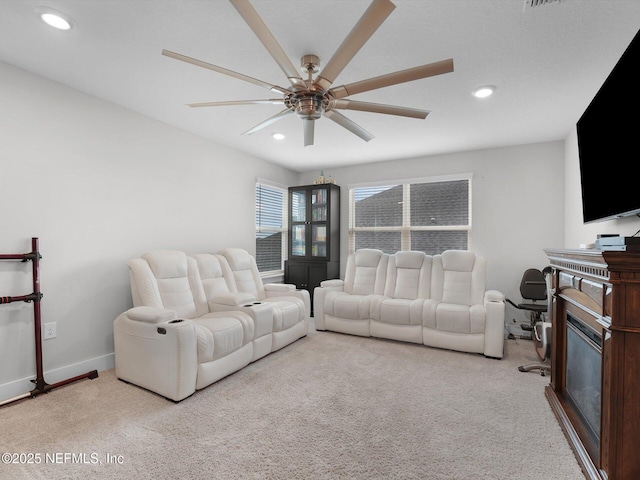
(314, 235)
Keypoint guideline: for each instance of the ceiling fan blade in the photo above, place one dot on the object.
(309, 126)
(224, 71)
(408, 75)
(246, 10)
(379, 108)
(348, 124)
(372, 18)
(268, 121)
(272, 101)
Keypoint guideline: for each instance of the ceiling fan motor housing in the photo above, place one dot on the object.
(308, 105)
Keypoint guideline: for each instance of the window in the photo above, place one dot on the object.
(271, 226)
(429, 214)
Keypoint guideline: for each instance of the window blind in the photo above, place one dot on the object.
(271, 227)
(430, 215)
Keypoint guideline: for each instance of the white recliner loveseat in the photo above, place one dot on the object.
(438, 300)
(190, 325)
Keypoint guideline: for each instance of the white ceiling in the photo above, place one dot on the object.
(547, 63)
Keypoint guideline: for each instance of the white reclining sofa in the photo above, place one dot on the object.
(192, 325)
(439, 301)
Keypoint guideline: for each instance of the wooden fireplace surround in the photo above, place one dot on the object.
(603, 290)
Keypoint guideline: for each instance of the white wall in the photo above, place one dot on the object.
(576, 232)
(517, 205)
(99, 184)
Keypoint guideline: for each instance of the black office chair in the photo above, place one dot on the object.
(533, 289)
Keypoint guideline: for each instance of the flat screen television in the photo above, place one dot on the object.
(609, 143)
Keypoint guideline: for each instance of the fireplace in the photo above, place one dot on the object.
(595, 358)
(583, 373)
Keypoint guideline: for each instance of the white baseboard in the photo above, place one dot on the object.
(23, 386)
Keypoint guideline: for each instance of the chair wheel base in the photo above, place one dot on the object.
(535, 366)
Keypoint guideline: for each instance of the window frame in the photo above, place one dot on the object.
(405, 229)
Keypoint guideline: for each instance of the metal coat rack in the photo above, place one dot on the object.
(40, 385)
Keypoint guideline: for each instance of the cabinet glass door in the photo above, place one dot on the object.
(298, 244)
(319, 241)
(299, 206)
(319, 205)
(318, 219)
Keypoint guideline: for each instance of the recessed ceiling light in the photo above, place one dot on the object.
(278, 136)
(56, 19)
(483, 92)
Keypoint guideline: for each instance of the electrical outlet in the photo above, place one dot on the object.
(49, 330)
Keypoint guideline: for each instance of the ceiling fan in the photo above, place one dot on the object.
(311, 98)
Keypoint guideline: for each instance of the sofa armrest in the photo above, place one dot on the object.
(279, 287)
(493, 296)
(261, 313)
(288, 290)
(494, 327)
(151, 314)
(156, 353)
(305, 297)
(319, 294)
(233, 299)
(333, 284)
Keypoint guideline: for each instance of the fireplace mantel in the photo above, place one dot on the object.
(602, 289)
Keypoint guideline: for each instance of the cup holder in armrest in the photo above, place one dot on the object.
(252, 304)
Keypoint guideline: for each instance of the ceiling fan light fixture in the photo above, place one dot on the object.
(484, 91)
(55, 19)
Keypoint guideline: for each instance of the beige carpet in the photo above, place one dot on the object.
(329, 406)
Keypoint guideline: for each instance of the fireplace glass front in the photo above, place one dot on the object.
(583, 374)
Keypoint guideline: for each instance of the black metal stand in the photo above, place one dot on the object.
(40, 385)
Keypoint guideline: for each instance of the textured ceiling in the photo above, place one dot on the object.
(547, 63)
